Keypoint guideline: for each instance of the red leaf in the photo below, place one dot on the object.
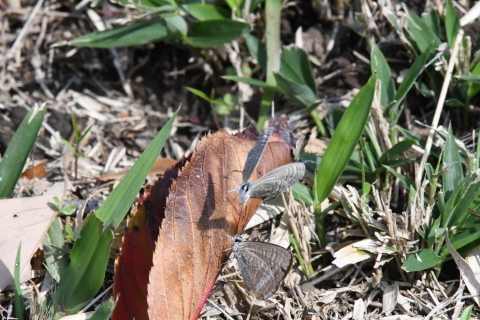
(200, 212)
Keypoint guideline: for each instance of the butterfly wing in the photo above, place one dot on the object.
(277, 181)
(255, 153)
(263, 266)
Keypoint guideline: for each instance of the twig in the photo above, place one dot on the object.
(24, 31)
(438, 110)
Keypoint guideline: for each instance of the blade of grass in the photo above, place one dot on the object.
(19, 304)
(88, 262)
(340, 149)
(343, 142)
(18, 150)
(452, 161)
(119, 201)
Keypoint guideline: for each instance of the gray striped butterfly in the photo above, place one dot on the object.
(263, 265)
(273, 183)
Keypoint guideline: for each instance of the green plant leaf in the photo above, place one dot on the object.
(344, 140)
(19, 304)
(456, 206)
(202, 95)
(215, 32)
(117, 204)
(257, 50)
(203, 12)
(104, 311)
(452, 23)
(432, 20)
(421, 35)
(88, 262)
(396, 150)
(296, 67)
(250, 81)
(149, 5)
(19, 149)
(408, 82)
(54, 250)
(467, 313)
(469, 238)
(404, 180)
(122, 36)
(302, 192)
(424, 259)
(177, 26)
(380, 66)
(470, 77)
(298, 92)
(453, 161)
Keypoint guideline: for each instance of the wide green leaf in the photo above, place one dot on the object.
(295, 66)
(54, 250)
(302, 192)
(18, 150)
(424, 259)
(117, 204)
(296, 91)
(203, 12)
(212, 33)
(344, 140)
(421, 35)
(125, 36)
(88, 262)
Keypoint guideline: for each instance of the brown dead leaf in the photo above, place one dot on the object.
(38, 171)
(200, 214)
(26, 220)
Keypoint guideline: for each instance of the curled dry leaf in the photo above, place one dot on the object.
(196, 214)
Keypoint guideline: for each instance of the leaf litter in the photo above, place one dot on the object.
(119, 116)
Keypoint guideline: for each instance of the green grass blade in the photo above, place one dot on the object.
(467, 313)
(344, 140)
(421, 35)
(452, 161)
(422, 260)
(302, 192)
(53, 243)
(212, 33)
(88, 262)
(295, 66)
(104, 311)
(203, 12)
(122, 36)
(19, 149)
(452, 23)
(380, 66)
(298, 92)
(116, 206)
(408, 82)
(19, 304)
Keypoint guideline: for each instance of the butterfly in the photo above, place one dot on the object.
(263, 265)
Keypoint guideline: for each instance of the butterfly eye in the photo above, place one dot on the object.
(245, 187)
